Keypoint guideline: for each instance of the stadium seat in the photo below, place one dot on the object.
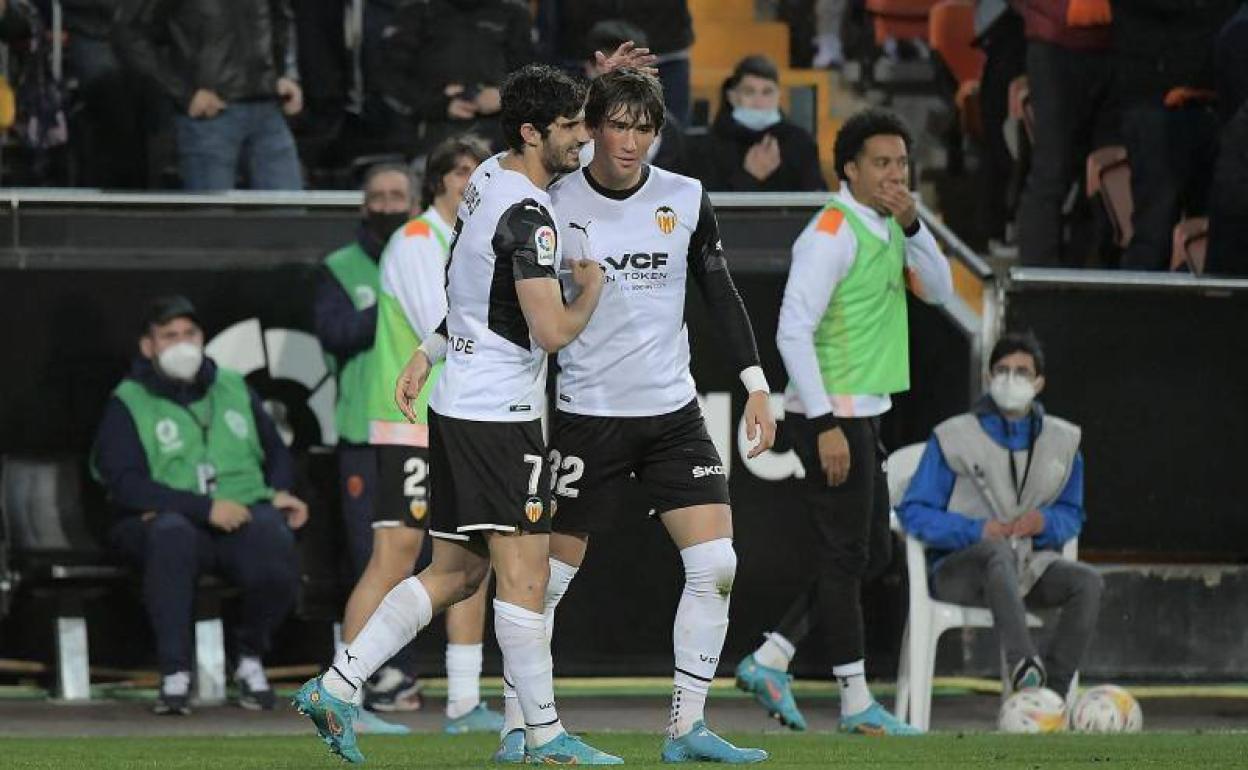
(900, 19)
(929, 618)
(1191, 241)
(951, 30)
(51, 547)
(1109, 176)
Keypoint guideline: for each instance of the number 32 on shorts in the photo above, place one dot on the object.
(564, 472)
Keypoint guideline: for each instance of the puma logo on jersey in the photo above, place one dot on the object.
(583, 228)
(702, 471)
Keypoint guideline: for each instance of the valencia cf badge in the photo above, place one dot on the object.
(533, 509)
(666, 219)
(418, 509)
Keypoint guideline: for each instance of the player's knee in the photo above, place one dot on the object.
(396, 550)
(472, 576)
(711, 567)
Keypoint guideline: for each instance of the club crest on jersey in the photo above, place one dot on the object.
(544, 243)
(665, 218)
(533, 509)
(418, 509)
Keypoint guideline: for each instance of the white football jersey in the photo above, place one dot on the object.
(495, 371)
(632, 360)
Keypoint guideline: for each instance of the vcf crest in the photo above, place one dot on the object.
(533, 509)
(665, 218)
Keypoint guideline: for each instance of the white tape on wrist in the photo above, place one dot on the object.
(753, 379)
(434, 347)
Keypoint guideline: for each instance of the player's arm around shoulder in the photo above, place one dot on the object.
(527, 233)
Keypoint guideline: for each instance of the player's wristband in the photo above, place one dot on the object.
(434, 347)
(753, 379)
(824, 422)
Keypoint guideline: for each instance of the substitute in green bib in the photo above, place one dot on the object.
(199, 481)
(844, 339)
(345, 317)
(411, 303)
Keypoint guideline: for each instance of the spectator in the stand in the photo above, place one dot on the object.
(229, 67)
(326, 72)
(115, 111)
(668, 150)
(999, 33)
(200, 481)
(1165, 79)
(444, 62)
(751, 147)
(1069, 72)
(668, 27)
(1228, 205)
(998, 492)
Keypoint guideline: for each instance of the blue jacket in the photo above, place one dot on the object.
(122, 461)
(924, 510)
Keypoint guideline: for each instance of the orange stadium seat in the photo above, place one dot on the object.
(1109, 176)
(1191, 241)
(900, 19)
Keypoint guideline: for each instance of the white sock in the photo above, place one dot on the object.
(855, 697)
(561, 575)
(251, 671)
(700, 627)
(401, 615)
(522, 638)
(177, 683)
(463, 678)
(777, 652)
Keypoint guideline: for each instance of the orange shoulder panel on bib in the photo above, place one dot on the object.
(416, 227)
(830, 221)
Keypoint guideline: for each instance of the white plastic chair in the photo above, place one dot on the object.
(930, 618)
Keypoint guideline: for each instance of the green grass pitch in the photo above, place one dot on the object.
(641, 750)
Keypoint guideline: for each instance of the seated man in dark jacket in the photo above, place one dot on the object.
(229, 67)
(199, 478)
(751, 147)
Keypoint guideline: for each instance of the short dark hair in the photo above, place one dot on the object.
(1018, 342)
(443, 160)
(609, 34)
(163, 309)
(639, 93)
(858, 129)
(537, 94)
(757, 65)
(385, 167)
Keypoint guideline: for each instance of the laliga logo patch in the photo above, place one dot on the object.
(533, 509)
(544, 241)
(418, 509)
(236, 423)
(665, 218)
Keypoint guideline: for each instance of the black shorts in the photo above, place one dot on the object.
(402, 487)
(487, 476)
(599, 458)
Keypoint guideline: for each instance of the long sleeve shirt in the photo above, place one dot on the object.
(924, 512)
(821, 260)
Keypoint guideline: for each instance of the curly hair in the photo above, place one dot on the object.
(857, 130)
(537, 94)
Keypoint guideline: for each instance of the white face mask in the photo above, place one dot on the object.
(1012, 393)
(754, 119)
(181, 361)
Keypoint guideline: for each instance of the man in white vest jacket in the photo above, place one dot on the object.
(997, 494)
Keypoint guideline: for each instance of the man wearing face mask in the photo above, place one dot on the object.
(751, 147)
(199, 478)
(843, 335)
(997, 494)
(345, 318)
